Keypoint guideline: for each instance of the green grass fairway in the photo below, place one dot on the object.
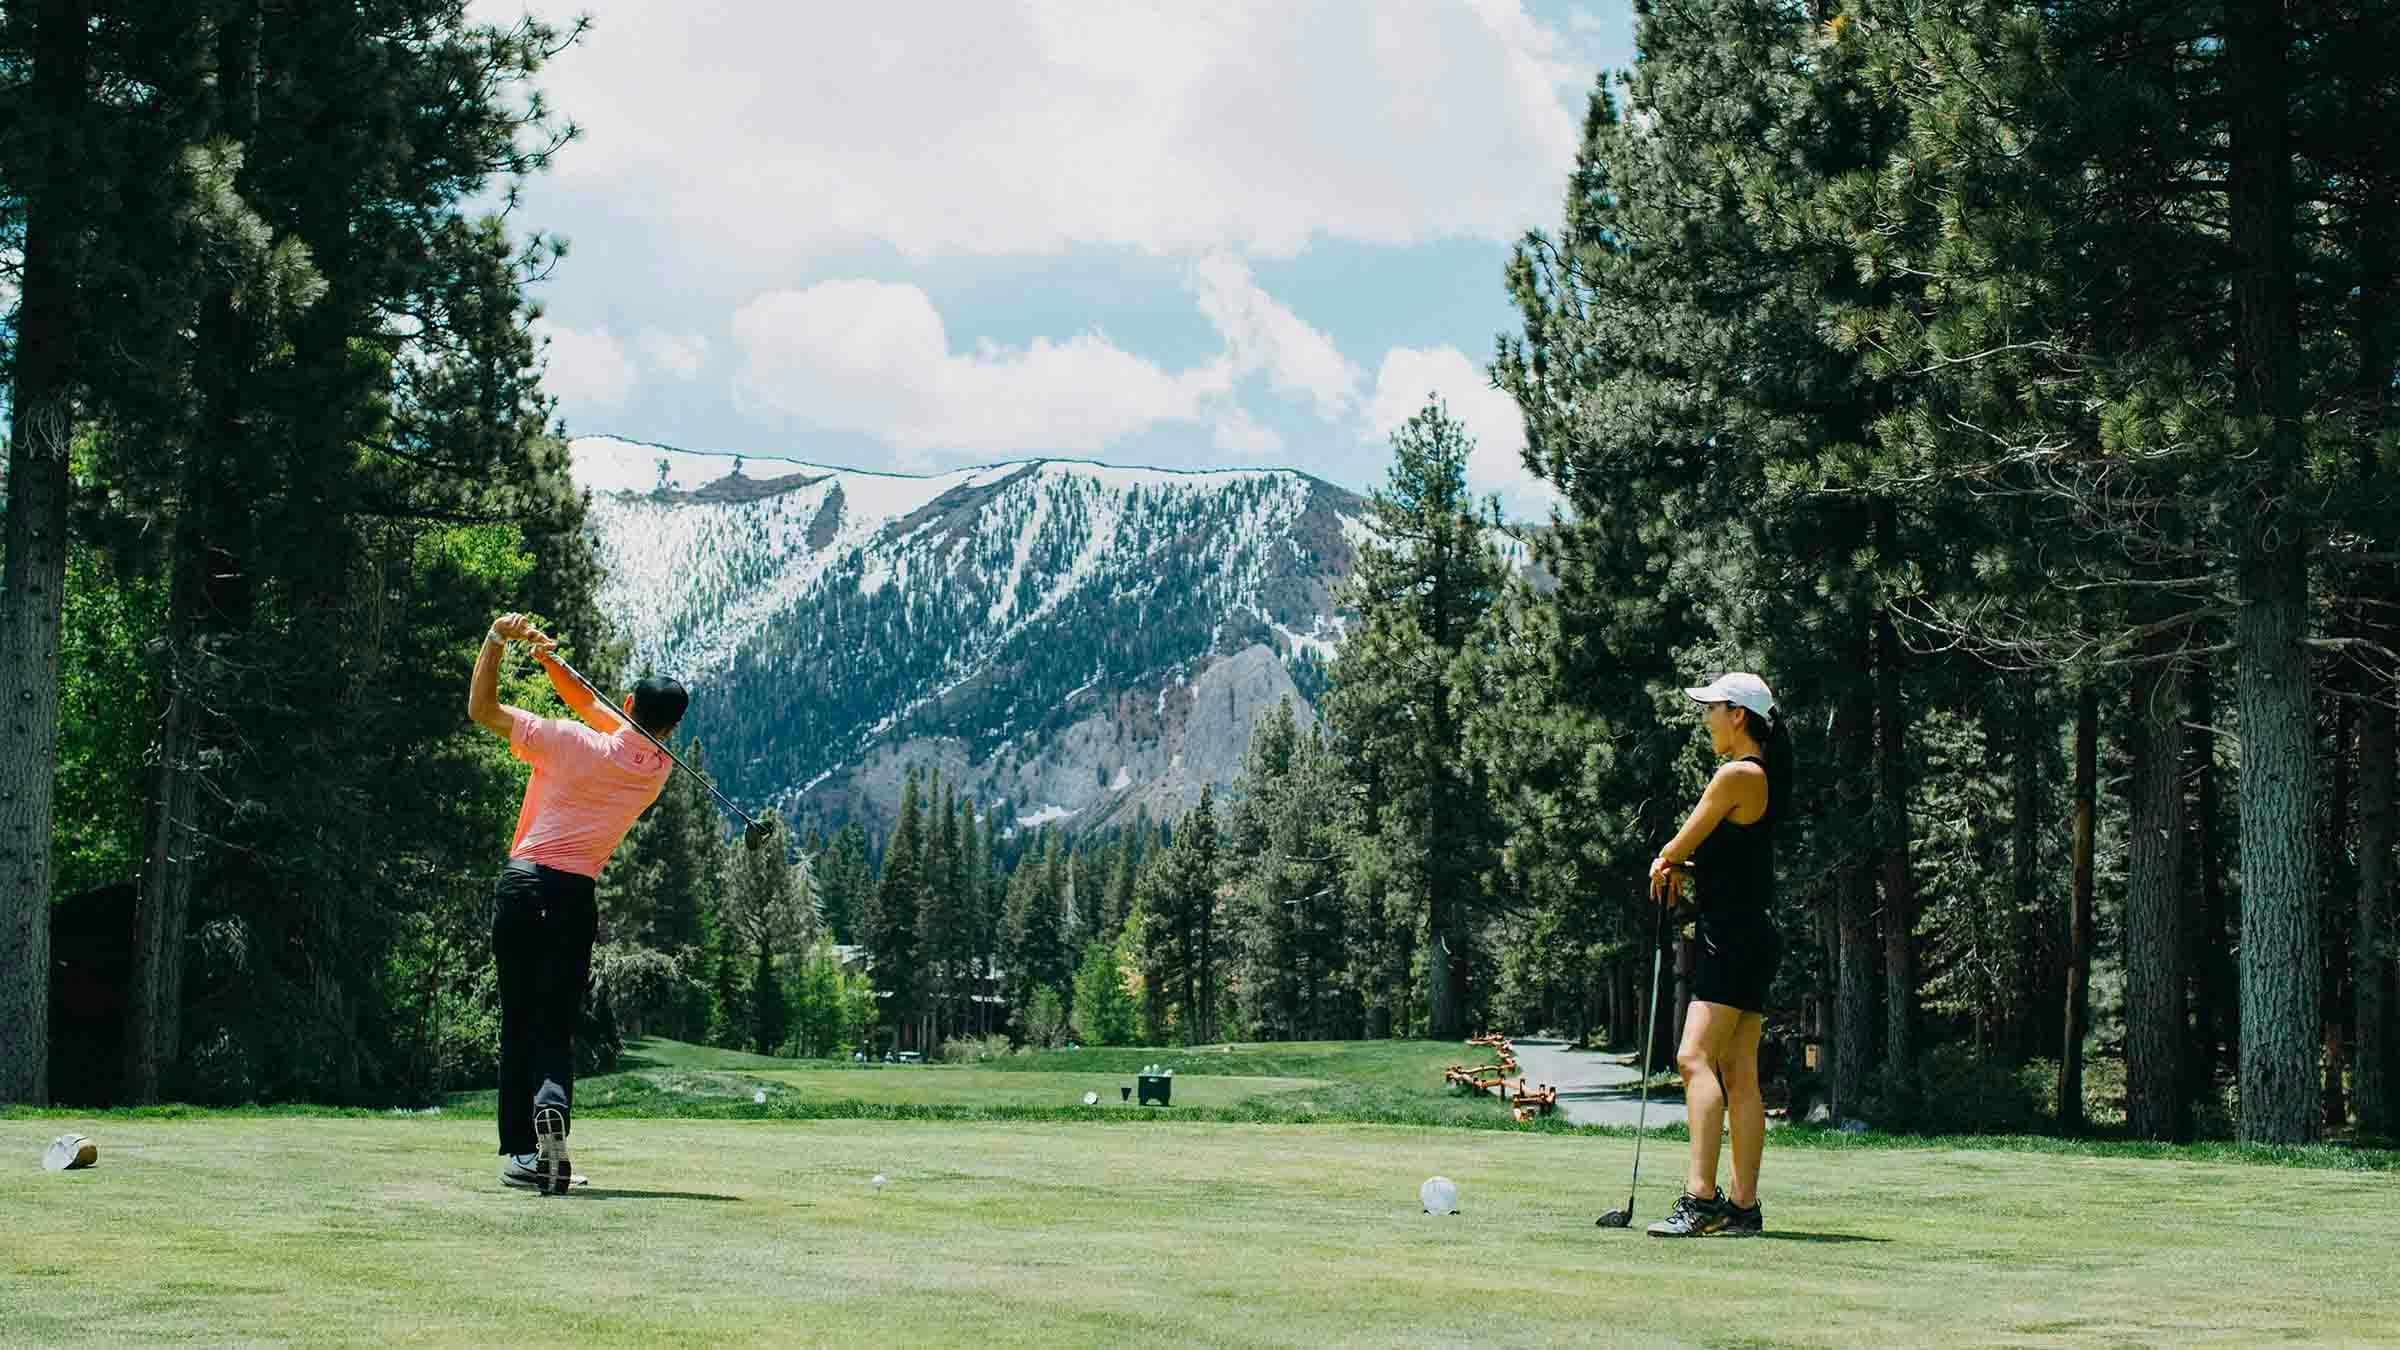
(1394, 1082)
(982, 1085)
(262, 1229)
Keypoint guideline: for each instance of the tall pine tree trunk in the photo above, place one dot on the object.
(2211, 976)
(2024, 843)
(1441, 971)
(153, 986)
(1828, 933)
(1899, 895)
(2154, 1030)
(1854, 1015)
(2371, 972)
(2333, 854)
(2079, 911)
(2279, 930)
(207, 593)
(33, 583)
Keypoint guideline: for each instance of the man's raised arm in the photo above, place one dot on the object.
(483, 690)
(582, 698)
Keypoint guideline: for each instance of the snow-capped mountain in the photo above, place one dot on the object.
(1069, 639)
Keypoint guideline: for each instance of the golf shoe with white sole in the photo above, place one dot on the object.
(553, 1175)
(1692, 1217)
(523, 1171)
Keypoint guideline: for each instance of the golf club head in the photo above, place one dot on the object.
(1615, 1218)
(758, 833)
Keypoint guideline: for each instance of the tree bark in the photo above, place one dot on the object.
(1629, 978)
(2154, 939)
(153, 986)
(2371, 977)
(209, 592)
(1442, 1017)
(2211, 974)
(2373, 335)
(2024, 847)
(1899, 895)
(2279, 930)
(2334, 917)
(33, 556)
(2079, 911)
(1854, 1017)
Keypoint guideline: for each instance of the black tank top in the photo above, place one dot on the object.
(1736, 863)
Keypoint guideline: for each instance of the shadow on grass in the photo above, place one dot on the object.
(604, 1193)
(1815, 1237)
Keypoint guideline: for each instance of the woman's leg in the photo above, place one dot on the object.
(1708, 1032)
(1745, 1112)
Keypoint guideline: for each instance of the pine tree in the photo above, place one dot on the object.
(1262, 914)
(288, 185)
(1421, 588)
(1103, 1011)
(888, 928)
(771, 912)
(1034, 953)
(941, 925)
(843, 881)
(98, 203)
(1176, 897)
(1716, 451)
(1121, 871)
(2108, 194)
(730, 1014)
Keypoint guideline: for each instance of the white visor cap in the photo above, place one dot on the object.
(1738, 686)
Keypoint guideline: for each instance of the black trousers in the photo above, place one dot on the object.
(543, 923)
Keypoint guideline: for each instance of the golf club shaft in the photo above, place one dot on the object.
(1641, 1119)
(662, 745)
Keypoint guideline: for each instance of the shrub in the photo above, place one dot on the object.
(976, 1049)
(1955, 1092)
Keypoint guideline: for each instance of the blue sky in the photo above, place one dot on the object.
(919, 236)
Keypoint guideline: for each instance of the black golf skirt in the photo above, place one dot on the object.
(1739, 950)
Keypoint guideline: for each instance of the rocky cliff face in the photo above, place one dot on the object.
(1066, 642)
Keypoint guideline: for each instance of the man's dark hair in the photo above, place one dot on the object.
(658, 703)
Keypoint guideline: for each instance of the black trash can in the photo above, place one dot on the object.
(1153, 1087)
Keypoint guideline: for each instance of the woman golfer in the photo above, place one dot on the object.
(589, 784)
(1730, 840)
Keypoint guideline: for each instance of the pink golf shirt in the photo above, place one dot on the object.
(588, 788)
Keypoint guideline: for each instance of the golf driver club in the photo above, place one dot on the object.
(754, 832)
(1623, 1218)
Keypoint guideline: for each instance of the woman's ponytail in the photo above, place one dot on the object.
(1776, 742)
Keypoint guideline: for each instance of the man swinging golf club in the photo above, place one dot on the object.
(1730, 840)
(589, 784)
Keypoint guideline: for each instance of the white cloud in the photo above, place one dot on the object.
(874, 357)
(870, 356)
(586, 370)
(1235, 430)
(1408, 375)
(1261, 335)
(761, 134)
(680, 355)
